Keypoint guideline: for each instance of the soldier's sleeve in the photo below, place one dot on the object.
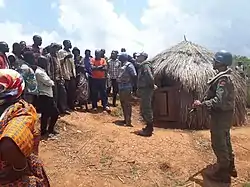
(147, 71)
(221, 93)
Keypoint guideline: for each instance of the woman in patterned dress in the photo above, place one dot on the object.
(19, 164)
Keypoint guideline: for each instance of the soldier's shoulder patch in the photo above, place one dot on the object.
(222, 82)
(145, 70)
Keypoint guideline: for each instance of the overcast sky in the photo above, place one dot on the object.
(149, 25)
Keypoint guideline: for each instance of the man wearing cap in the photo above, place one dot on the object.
(145, 92)
(220, 102)
(125, 79)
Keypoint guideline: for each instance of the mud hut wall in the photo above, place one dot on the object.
(199, 119)
(172, 104)
(166, 104)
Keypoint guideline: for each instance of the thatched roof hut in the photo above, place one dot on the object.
(187, 67)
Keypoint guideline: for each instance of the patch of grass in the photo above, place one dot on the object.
(134, 170)
(105, 159)
(164, 167)
(246, 185)
(117, 111)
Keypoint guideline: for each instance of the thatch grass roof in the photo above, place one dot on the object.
(186, 63)
(189, 66)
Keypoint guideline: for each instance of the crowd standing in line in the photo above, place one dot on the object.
(56, 79)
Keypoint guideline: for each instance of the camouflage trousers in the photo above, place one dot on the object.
(220, 137)
(146, 95)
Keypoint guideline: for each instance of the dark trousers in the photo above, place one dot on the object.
(125, 99)
(115, 90)
(135, 87)
(109, 91)
(70, 86)
(29, 98)
(60, 96)
(90, 89)
(114, 84)
(49, 111)
(99, 87)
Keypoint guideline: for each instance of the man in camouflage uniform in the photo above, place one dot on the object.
(220, 101)
(145, 86)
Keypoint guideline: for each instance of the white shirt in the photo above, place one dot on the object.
(44, 83)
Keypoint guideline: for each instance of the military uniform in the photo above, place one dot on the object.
(145, 92)
(220, 101)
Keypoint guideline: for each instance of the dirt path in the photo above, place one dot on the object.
(92, 151)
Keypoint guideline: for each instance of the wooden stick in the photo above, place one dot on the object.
(120, 179)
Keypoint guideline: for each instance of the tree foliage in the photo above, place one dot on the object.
(245, 60)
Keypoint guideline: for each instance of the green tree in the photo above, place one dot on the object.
(238, 58)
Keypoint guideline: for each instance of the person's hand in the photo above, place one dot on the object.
(155, 87)
(68, 56)
(8, 175)
(196, 104)
(87, 76)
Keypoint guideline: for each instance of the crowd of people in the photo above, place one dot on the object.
(58, 79)
(55, 81)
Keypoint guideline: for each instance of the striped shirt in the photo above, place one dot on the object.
(113, 68)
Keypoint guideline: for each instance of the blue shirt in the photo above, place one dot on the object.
(87, 65)
(126, 74)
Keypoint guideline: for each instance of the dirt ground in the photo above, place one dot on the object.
(92, 151)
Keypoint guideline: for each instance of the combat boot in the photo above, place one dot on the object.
(220, 175)
(232, 169)
(147, 131)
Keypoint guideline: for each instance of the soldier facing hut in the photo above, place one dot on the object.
(182, 73)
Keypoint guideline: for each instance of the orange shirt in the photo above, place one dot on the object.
(98, 74)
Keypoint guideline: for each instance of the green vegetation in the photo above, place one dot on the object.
(245, 60)
(246, 185)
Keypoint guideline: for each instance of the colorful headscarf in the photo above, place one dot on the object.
(11, 85)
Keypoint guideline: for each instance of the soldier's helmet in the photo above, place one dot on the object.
(224, 57)
(145, 55)
(4, 47)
